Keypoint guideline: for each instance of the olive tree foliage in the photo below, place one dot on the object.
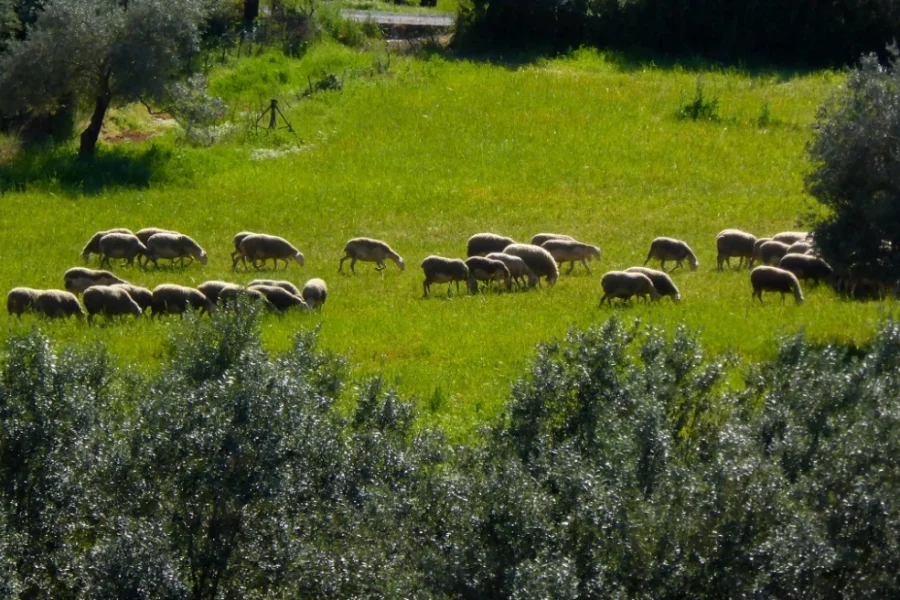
(856, 171)
(100, 52)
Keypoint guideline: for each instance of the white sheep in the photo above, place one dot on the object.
(804, 266)
(93, 245)
(369, 250)
(21, 299)
(540, 238)
(538, 259)
(482, 244)
(260, 246)
(78, 279)
(120, 245)
(518, 269)
(624, 285)
(757, 245)
(772, 251)
(236, 253)
(109, 301)
(661, 281)
(169, 298)
(148, 232)
(141, 295)
(57, 303)
(286, 285)
(734, 242)
(439, 269)
(314, 293)
(800, 248)
(174, 246)
(232, 292)
(789, 237)
(280, 298)
(488, 270)
(773, 279)
(666, 249)
(571, 251)
(212, 289)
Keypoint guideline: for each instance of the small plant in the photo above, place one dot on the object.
(765, 117)
(701, 107)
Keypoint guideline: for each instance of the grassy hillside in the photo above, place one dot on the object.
(427, 154)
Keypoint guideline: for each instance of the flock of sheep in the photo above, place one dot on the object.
(786, 258)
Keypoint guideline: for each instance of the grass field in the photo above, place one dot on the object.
(426, 154)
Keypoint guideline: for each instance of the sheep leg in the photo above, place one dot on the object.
(341, 266)
(425, 289)
(649, 256)
(381, 266)
(584, 262)
(353, 265)
(677, 266)
(605, 297)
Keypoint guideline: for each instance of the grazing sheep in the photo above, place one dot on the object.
(624, 285)
(661, 281)
(666, 248)
(773, 279)
(805, 266)
(236, 254)
(212, 289)
(369, 250)
(757, 245)
(487, 269)
(800, 248)
(789, 237)
(141, 295)
(315, 292)
(21, 299)
(771, 252)
(443, 270)
(57, 303)
(120, 245)
(734, 242)
(538, 259)
(78, 279)
(286, 285)
(539, 239)
(169, 298)
(93, 245)
(571, 251)
(109, 301)
(481, 244)
(259, 246)
(148, 232)
(280, 298)
(232, 291)
(174, 246)
(518, 270)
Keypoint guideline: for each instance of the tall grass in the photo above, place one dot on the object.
(435, 150)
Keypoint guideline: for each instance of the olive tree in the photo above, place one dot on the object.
(856, 171)
(100, 52)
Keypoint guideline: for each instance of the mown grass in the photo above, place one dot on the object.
(432, 152)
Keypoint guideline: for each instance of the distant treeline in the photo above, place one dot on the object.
(810, 32)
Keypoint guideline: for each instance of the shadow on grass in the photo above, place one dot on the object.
(60, 169)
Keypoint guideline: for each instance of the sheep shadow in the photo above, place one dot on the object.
(61, 169)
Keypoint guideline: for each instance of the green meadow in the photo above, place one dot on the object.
(423, 152)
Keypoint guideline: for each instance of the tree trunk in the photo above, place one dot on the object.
(89, 136)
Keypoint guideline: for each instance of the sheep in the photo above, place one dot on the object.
(734, 242)
(666, 248)
(78, 279)
(259, 246)
(571, 251)
(538, 259)
(93, 245)
(804, 266)
(369, 250)
(141, 295)
(280, 298)
(232, 291)
(57, 303)
(120, 245)
(518, 270)
(174, 246)
(773, 279)
(757, 257)
(771, 252)
(175, 299)
(148, 232)
(21, 299)
(789, 237)
(109, 301)
(487, 269)
(212, 289)
(443, 270)
(624, 285)
(236, 254)
(481, 244)
(540, 238)
(314, 293)
(661, 281)
(286, 285)
(800, 248)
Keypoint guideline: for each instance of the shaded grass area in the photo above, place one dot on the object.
(425, 153)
